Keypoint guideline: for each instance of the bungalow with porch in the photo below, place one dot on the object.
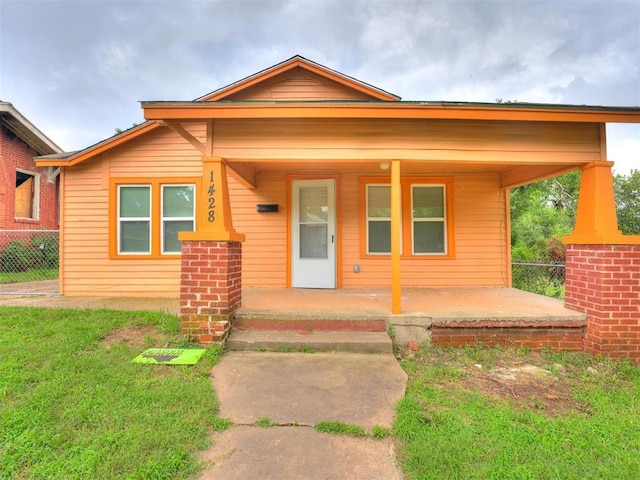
(301, 177)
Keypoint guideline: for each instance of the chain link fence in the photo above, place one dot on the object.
(29, 261)
(537, 277)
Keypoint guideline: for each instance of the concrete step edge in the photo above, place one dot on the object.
(356, 342)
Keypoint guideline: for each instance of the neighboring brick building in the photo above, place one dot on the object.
(28, 194)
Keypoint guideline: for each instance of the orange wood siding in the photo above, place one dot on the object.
(264, 252)
(299, 85)
(480, 237)
(479, 240)
(438, 140)
(87, 269)
(480, 228)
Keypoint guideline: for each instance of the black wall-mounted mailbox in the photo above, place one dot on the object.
(273, 207)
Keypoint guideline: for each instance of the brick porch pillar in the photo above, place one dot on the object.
(603, 281)
(211, 275)
(603, 269)
(210, 288)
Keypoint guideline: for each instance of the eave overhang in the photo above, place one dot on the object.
(26, 131)
(156, 112)
(72, 158)
(196, 111)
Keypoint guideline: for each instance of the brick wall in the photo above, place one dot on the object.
(210, 288)
(533, 335)
(16, 154)
(603, 281)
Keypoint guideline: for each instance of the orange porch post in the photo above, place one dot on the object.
(396, 226)
(596, 220)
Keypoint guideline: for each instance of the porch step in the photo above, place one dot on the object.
(317, 341)
(308, 323)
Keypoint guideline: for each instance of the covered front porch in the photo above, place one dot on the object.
(444, 316)
(421, 304)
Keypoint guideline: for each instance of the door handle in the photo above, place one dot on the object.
(331, 238)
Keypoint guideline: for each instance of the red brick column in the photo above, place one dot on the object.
(210, 288)
(603, 281)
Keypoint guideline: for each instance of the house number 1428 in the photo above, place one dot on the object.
(211, 199)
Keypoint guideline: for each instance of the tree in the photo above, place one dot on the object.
(627, 194)
(542, 213)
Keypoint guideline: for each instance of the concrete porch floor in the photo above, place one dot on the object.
(421, 308)
(435, 304)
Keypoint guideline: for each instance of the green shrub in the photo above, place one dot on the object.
(45, 251)
(16, 257)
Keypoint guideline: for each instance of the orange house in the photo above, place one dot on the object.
(326, 182)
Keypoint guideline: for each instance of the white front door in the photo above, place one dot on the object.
(313, 233)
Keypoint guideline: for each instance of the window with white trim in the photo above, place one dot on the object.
(143, 229)
(426, 213)
(178, 215)
(134, 219)
(428, 220)
(378, 219)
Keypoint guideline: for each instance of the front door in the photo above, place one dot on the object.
(313, 233)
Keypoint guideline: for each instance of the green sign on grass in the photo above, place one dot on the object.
(170, 356)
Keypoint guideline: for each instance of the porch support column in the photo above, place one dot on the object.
(211, 275)
(396, 225)
(596, 220)
(602, 276)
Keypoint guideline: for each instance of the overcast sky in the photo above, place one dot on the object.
(78, 68)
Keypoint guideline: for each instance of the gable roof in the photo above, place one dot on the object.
(220, 104)
(26, 131)
(298, 62)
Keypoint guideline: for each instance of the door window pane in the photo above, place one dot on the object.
(314, 206)
(313, 241)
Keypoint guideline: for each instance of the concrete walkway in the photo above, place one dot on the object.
(295, 391)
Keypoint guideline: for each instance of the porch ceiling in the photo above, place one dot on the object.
(408, 166)
(512, 174)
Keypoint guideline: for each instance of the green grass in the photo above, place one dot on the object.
(265, 422)
(339, 428)
(72, 406)
(29, 275)
(447, 427)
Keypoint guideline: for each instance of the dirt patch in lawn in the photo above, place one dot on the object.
(526, 380)
(527, 386)
(132, 336)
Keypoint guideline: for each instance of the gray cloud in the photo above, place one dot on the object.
(78, 68)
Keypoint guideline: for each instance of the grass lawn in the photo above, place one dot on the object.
(29, 275)
(491, 414)
(72, 405)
